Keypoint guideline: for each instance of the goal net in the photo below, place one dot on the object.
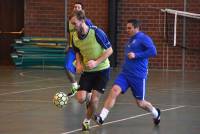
(182, 29)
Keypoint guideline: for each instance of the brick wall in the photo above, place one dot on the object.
(46, 18)
(96, 10)
(148, 11)
(192, 59)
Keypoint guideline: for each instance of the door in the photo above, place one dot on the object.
(11, 27)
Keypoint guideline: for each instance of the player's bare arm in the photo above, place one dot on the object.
(93, 63)
(79, 66)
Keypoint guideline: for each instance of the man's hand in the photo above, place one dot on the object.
(91, 64)
(131, 55)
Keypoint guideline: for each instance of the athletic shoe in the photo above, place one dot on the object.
(98, 119)
(157, 120)
(85, 126)
(73, 91)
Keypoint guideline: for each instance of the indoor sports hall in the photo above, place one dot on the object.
(34, 43)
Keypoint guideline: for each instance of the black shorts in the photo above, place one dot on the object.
(94, 80)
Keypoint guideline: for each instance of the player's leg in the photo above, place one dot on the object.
(120, 86)
(74, 86)
(88, 98)
(84, 90)
(98, 82)
(92, 106)
(112, 96)
(109, 103)
(71, 76)
(138, 87)
(71, 70)
(150, 108)
(81, 96)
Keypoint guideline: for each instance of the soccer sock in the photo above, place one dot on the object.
(75, 85)
(104, 113)
(86, 120)
(154, 112)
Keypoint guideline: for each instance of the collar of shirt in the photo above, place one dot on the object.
(83, 36)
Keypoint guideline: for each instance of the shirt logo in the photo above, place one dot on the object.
(133, 42)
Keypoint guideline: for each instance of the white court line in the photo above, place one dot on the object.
(22, 74)
(37, 101)
(173, 89)
(23, 91)
(120, 120)
(39, 76)
(24, 82)
(30, 81)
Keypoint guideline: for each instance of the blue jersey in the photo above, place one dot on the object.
(88, 22)
(143, 47)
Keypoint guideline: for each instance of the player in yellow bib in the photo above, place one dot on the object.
(92, 49)
(70, 56)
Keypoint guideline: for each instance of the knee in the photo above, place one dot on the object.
(115, 91)
(80, 100)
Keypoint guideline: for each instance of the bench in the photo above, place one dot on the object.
(39, 52)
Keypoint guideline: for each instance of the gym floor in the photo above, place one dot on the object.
(26, 104)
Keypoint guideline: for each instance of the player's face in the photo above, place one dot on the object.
(77, 7)
(130, 29)
(77, 23)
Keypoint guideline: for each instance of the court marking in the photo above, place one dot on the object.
(30, 81)
(118, 103)
(124, 119)
(24, 82)
(33, 101)
(23, 91)
(172, 89)
(39, 76)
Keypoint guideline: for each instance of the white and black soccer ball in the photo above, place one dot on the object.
(60, 99)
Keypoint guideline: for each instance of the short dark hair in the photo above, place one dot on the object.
(80, 3)
(79, 14)
(136, 23)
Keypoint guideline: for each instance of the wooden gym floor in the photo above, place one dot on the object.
(26, 104)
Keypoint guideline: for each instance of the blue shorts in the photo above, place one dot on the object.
(137, 85)
(69, 60)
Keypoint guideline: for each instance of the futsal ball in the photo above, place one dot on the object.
(60, 99)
